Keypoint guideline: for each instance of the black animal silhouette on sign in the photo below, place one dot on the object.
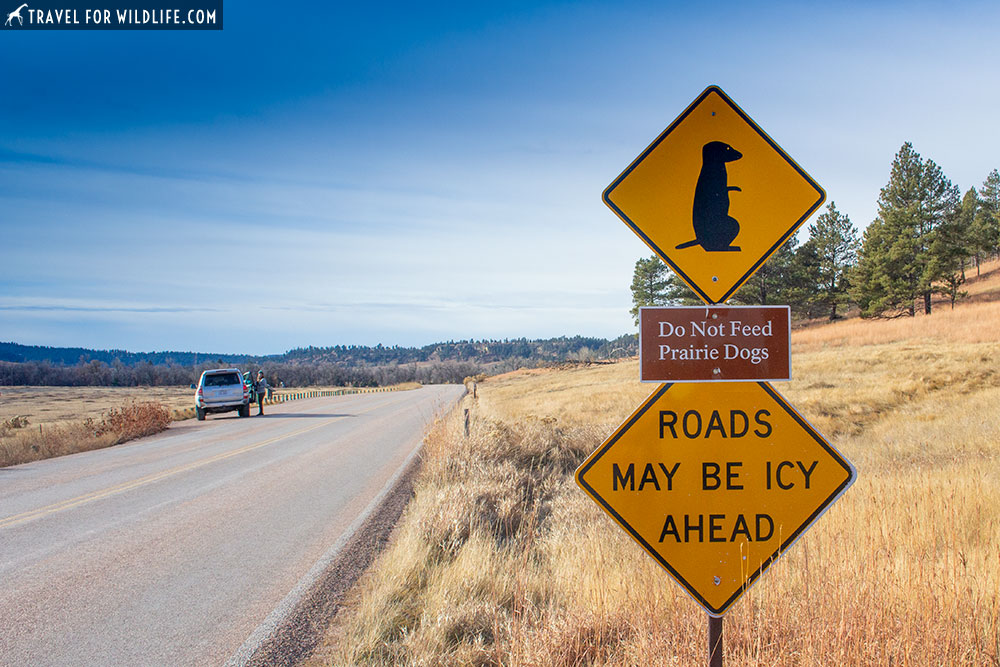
(714, 228)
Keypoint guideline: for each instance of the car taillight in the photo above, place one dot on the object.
(200, 392)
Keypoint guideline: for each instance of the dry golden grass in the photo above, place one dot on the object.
(67, 420)
(970, 323)
(502, 560)
(63, 406)
(985, 285)
(20, 442)
(406, 386)
(66, 405)
(41, 422)
(975, 320)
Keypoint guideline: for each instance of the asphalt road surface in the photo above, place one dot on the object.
(174, 549)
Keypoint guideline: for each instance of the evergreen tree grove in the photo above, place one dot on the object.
(778, 281)
(899, 261)
(920, 244)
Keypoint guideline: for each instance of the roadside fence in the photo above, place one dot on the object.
(283, 396)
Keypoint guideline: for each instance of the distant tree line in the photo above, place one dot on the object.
(924, 239)
(482, 351)
(356, 366)
(71, 356)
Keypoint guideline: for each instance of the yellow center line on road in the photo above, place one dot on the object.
(149, 479)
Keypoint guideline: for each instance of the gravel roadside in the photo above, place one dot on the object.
(295, 629)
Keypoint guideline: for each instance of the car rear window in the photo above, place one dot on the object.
(222, 379)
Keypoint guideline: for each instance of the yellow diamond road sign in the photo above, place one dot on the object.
(715, 482)
(714, 196)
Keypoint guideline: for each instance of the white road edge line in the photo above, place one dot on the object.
(276, 619)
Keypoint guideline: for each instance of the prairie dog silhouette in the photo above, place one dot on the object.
(714, 228)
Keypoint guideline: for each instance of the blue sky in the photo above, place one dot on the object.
(330, 173)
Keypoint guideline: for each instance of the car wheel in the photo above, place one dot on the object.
(200, 414)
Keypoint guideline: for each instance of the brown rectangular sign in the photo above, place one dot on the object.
(714, 343)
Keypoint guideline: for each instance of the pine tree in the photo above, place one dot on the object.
(828, 257)
(654, 284)
(805, 297)
(779, 281)
(986, 225)
(649, 282)
(944, 244)
(971, 238)
(896, 264)
(950, 248)
(678, 293)
(871, 287)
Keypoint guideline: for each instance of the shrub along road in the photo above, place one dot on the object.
(177, 549)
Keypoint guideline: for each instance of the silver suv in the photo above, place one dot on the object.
(222, 390)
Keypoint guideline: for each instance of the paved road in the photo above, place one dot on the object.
(173, 549)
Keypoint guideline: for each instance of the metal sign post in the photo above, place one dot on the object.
(714, 641)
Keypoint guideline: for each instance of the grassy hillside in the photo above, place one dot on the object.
(501, 559)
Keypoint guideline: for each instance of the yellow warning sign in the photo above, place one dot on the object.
(715, 481)
(714, 196)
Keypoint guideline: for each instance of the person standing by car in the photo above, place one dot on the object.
(261, 392)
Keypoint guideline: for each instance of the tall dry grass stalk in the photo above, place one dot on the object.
(502, 560)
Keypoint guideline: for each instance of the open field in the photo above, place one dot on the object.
(973, 320)
(63, 405)
(23, 442)
(501, 560)
(42, 422)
